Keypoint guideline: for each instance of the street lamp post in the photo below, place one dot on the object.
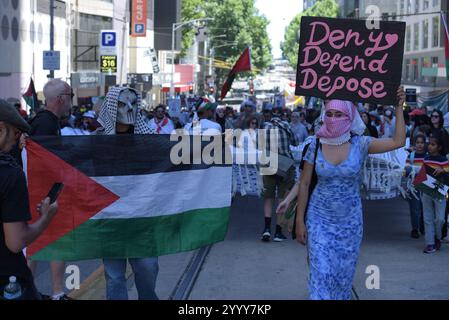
(175, 27)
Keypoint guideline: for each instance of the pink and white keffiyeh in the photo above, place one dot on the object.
(336, 131)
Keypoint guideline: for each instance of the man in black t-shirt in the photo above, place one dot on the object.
(58, 103)
(15, 233)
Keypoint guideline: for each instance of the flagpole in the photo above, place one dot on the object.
(445, 25)
(52, 32)
(446, 44)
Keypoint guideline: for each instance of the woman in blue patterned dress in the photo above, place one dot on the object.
(334, 222)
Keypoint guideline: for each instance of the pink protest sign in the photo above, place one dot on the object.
(343, 59)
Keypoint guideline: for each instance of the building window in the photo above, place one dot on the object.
(425, 32)
(425, 5)
(425, 63)
(408, 39)
(417, 2)
(435, 31)
(416, 37)
(415, 70)
(436, 3)
(401, 6)
(409, 6)
(85, 40)
(435, 62)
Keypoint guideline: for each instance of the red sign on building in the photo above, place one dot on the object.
(138, 27)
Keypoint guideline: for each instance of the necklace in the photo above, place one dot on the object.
(337, 141)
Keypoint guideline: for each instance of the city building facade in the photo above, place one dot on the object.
(25, 35)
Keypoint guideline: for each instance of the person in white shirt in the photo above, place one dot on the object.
(202, 124)
(78, 129)
(389, 123)
(161, 124)
(248, 138)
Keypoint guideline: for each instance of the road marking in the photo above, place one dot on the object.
(86, 284)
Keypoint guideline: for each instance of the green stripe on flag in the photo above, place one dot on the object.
(139, 237)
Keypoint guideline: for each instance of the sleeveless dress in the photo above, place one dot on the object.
(334, 222)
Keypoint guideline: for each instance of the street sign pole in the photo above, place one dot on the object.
(123, 40)
(52, 32)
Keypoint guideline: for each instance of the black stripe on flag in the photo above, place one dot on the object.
(121, 155)
(443, 178)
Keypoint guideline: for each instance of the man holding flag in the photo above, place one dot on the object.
(119, 115)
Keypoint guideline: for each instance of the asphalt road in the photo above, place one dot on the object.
(243, 267)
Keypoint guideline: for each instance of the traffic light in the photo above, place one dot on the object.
(211, 90)
(191, 89)
(251, 91)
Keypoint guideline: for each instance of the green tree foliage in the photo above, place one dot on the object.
(290, 45)
(190, 9)
(235, 25)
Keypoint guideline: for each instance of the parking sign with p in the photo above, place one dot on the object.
(108, 42)
(108, 39)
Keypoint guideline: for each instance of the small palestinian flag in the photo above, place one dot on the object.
(30, 96)
(432, 185)
(124, 197)
(242, 64)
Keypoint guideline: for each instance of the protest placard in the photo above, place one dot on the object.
(174, 108)
(344, 59)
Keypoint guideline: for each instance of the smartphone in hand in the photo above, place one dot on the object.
(54, 192)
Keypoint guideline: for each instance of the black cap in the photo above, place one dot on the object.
(10, 115)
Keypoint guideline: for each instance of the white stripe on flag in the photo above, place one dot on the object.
(431, 183)
(160, 194)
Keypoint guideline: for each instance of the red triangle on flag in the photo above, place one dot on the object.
(421, 177)
(81, 198)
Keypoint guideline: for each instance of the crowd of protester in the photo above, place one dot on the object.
(426, 128)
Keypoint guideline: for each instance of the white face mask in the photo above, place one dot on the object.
(127, 107)
(388, 113)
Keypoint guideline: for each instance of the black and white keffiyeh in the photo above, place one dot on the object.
(108, 113)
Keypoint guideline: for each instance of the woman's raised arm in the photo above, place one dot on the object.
(398, 141)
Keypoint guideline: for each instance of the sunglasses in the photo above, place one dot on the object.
(71, 94)
(435, 116)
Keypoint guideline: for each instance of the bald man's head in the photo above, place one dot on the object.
(54, 88)
(58, 97)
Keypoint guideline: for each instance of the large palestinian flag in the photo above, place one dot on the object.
(432, 185)
(124, 197)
